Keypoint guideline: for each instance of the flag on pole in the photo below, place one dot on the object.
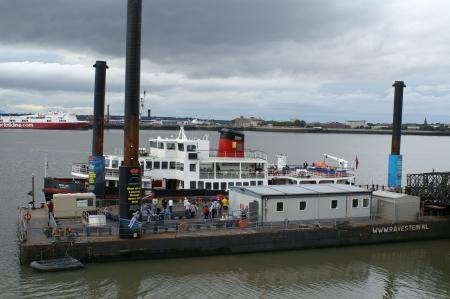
(356, 162)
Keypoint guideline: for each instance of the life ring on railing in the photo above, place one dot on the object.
(56, 232)
(68, 230)
(242, 223)
(27, 216)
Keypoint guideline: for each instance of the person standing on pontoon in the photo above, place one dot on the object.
(187, 207)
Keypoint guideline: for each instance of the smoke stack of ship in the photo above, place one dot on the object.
(96, 160)
(130, 171)
(231, 143)
(395, 158)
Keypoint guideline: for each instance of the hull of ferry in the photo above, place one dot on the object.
(47, 126)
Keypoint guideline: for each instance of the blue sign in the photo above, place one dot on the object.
(395, 171)
(96, 170)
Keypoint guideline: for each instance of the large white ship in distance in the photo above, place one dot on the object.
(183, 163)
(49, 121)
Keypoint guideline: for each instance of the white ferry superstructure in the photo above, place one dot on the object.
(183, 163)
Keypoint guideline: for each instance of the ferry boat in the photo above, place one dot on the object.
(189, 166)
(52, 121)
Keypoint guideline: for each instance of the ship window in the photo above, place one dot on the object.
(201, 185)
(192, 185)
(164, 165)
(107, 161)
(365, 202)
(171, 165)
(156, 164)
(230, 184)
(223, 186)
(191, 147)
(161, 145)
(238, 184)
(181, 147)
(49, 120)
(206, 167)
(115, 163)
(192, 167)
(216, 185)
(170, 146)
(25, 120)
(245, 183)
(252, 183)
(153, 144)
(280, 206)
(208, 186)
(148, 164)
(355, 203)
(180, 166)
(84, 202)
(302, 205)
(334, 204)
(260, 183)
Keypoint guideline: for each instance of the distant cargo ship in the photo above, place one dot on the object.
(49, 121)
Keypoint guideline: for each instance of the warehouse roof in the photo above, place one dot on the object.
(292, 190)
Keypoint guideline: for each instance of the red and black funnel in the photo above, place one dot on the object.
(231, 143)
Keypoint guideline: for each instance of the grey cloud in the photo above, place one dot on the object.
(200, 37)
(312, 59)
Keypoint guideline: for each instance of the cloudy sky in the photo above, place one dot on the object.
(278, 59)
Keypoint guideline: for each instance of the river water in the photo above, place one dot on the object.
(405, 270)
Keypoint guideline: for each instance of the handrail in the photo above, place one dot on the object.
(254, 154)
(232, 175)
(310, 174)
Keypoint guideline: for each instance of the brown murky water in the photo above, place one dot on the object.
(408, 270)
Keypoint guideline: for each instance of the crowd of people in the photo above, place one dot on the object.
(194, 208)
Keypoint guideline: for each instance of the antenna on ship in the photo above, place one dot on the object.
(45, 165)
(142, 106)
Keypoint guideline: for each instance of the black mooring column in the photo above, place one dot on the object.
(130, 172)
(96, 160)
(395, 159)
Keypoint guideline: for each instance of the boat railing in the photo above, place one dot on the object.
(83, 168)
(252, 154)
(232, 175)
(311, 173)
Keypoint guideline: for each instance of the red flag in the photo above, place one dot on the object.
(356, 162)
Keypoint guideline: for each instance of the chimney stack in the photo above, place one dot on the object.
(395, 159)
(96, 160)
(130, 172)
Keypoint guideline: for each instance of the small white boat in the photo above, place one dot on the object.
(58, 264)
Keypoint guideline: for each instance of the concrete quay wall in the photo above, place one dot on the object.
(188, 245)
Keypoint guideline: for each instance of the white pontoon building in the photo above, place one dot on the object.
(302, 202)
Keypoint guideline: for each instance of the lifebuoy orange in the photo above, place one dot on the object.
(242, 223)
(27, 216)
(56, 232)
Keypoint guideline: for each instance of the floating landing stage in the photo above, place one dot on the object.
(100, 248)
